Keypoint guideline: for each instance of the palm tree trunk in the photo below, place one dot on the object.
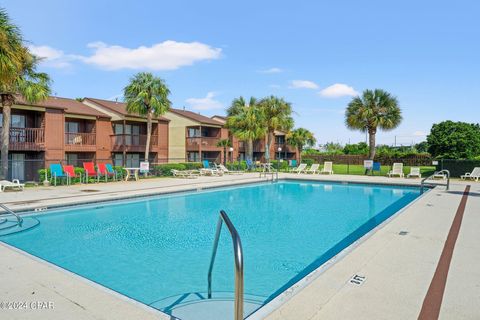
(149, 134)
(225, 156)
(371, 143)
(299, 152)
(250, 149)
(5, 140)
(267, 147)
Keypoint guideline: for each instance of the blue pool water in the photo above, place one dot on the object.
(158, 247)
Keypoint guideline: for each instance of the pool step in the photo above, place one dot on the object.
(10, 225)
(196, 306)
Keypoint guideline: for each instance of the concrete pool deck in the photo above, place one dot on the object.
(398, 261)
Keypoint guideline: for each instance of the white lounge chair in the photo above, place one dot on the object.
(14, 184)
(474, 175)
(414, 172)
(397, 170)
(225, 170)
(439, 175)
(327, 167)
(189, 174)
(313, 169)
(301, 168)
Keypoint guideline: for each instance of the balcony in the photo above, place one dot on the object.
(132, 142)
(80, 141)
(27, 139)
(285, 148)
(205, 143)
(258, 146)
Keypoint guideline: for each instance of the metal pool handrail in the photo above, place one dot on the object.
(447, 185)
(238, 256)
(19, 219)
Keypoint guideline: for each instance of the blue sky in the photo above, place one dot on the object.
(315, 54)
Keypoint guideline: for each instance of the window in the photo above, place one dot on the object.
(118, 159)
(280, 139)
(193, 156)
(193, 132)
(132, 160)
(71, 127)
(72, 158)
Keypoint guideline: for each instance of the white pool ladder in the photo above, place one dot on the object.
(8, 211)
(238, 257)
(436, 173)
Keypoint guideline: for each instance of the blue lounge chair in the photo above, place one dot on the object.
(56, 171)
(250, 164)
(111, 171)
(206, 164)
(292, 164)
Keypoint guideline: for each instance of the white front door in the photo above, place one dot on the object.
(18, 166)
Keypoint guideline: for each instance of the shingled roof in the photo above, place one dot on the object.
(70, 106)
(196, 117)
(120, 108)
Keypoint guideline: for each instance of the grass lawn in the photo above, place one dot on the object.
(360, 170)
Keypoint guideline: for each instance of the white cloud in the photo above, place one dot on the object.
(338, 90)
(167, 55)
(303, 84)
(271, 70)
(207, 103)
(52, 57)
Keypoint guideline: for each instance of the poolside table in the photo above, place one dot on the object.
(132, 173)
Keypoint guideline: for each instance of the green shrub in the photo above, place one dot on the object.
(165, 170)
(308, 161)
(281, 165)
(237, 165)
(193, 165)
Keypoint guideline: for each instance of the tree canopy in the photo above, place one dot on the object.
(454, 140)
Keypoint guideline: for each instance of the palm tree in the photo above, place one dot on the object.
(277, 116)
(224, 143)
(246, 120)
(147, 95)
(374, 109)
(300, 138)
(18, 78)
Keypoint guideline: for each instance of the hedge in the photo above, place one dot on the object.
(457, 168)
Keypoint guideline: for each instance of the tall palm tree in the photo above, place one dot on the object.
(147, 95)
(300, 138)
(18, 77)
(224, 143)
(277, 116)
(374, 109)
(246, 121)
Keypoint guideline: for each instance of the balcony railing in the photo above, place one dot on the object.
(194, 143)
(132, 142)
(80, 141)
(258, 146)
(27, 139)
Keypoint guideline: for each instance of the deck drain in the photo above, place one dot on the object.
(89, 190)
(357, 280)
(403, 233)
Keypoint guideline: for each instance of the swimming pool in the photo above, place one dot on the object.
(157, 250)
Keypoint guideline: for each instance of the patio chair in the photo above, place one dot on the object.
(226, 171)
(70, 172)
(110, 170)
(90, 171)
(188, 174)
(301, 168)
(292, 164)
(414, 172)
(250, 165)
(397, 170)
(14, 184)
(56, 172)
(313, 169)
(208, 171)
(102, 171)
(327, 167)
(474, 175)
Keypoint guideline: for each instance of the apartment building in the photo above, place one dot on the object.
(194, 137)
(287, 152)
(127, 134)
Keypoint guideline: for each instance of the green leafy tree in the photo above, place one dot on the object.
(246, 121)
(18, 78)
(147, 95)
(356, 148)
(373, 110)
(301, 138)
(422, 147)
(333, 148)
(277, 116)
(224, 143)
(454, 140)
